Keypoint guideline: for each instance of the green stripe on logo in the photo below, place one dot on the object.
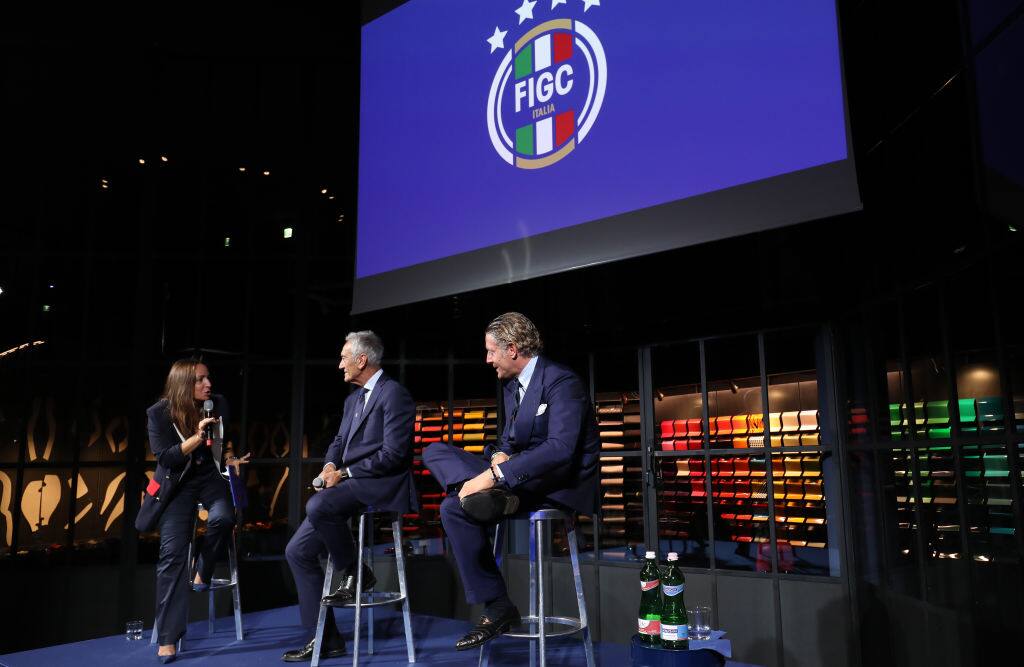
(524, 61)
(524, 140)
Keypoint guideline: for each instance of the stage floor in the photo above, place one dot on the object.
(270, 633)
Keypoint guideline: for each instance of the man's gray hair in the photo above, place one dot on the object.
(516, 328)
(368, 343)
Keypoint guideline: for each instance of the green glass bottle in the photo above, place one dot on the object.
(675, 629)
(649, 618)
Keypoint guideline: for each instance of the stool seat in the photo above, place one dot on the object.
(368, 599)
(537, 621)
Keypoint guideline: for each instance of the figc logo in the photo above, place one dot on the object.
(548, 90)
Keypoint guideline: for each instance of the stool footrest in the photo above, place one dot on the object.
(573, 624)
(372, 599)
(218, 584)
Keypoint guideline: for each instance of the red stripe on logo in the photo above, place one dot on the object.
(562, 45)
(565, 125)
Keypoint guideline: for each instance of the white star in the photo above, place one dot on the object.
(587, 4)
(526, 11)
(497, 40)
(555, 3)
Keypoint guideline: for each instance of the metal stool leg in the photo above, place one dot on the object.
(359, 592)
(369, 610)
(499, 538)
(540, 592)
(574, 557)
(236, 594)
(212, 615)
(534, 544)
(396, 530)
(322, 616)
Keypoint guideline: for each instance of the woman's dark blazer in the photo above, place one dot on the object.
(171, 464)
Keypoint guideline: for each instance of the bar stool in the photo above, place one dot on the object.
(371, 599)
(536, 618)
(215, 585)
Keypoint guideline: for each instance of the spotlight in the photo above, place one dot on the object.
(142, 161)
(163, 158)
(323, 191)
(266, 173)
(659, 394)
(227, 241)
(287, 232)
(733, 386)
(46, 308)
(241, 169)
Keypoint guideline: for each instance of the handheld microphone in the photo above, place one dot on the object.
(208, 431)
(318, 483)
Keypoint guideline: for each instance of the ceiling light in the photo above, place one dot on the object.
(287, 232)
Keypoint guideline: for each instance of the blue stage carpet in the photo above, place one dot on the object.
(270, 633)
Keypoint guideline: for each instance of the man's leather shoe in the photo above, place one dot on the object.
(340, 597)
(332, 648)
(346, 591)
(490, 505)
(348, 582)
(489, 628)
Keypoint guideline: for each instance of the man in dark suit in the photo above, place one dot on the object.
(547, 455)
(367, 464)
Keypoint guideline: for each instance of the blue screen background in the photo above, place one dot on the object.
(702, 95)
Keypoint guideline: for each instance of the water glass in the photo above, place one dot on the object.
(700, 622)
(133, 630)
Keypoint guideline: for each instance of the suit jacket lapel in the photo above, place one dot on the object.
(346, 422)
(374, 395)
(528, 406)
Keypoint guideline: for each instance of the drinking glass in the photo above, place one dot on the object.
(133, 630)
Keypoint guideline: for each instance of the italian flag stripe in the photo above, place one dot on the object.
(542, 52)
(562, 46)
(524, 140)
(565, 125)
(544, 136)
(524, 62)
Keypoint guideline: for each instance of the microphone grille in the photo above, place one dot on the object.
(208, 405)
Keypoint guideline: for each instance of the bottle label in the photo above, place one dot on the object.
(673, 591)
(649, 626)
(674, 633)
(649, 585)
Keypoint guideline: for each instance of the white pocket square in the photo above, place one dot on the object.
(541, 409)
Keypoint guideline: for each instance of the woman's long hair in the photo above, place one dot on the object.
(179, 390)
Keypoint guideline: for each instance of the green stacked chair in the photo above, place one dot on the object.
(896, 421)
(990, 414)
(968, 416)
(937, 419)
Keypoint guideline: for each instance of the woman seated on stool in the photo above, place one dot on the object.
(190, 470)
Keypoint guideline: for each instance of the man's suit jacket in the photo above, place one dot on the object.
(171, 464)
(555, 448)
(377, 450)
